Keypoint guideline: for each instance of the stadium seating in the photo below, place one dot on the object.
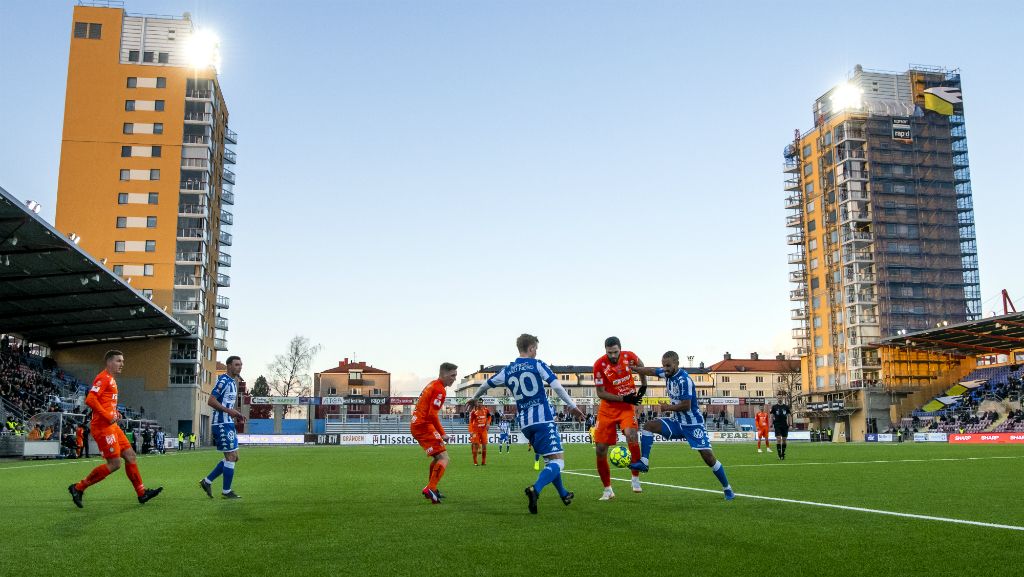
(31, 384)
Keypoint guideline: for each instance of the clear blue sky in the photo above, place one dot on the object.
(423, 181)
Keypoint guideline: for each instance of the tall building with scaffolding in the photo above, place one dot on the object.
(145, 184)
(881, 221)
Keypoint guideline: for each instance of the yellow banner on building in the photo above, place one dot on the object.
(941, 99)
(654, 400)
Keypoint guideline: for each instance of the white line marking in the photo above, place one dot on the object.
(74, 462)
(816, 504)
(844, 462)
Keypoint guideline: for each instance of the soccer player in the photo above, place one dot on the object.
(613, 381)
(222, 399)
(113, 445)
(505, 436)
(761, 423)
(782, 417)
(427, 430)
(479, 421)
(687, 421)
(79, 436)
(526, 377)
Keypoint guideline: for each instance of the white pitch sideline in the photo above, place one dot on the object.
(816, 504)
(872, 462)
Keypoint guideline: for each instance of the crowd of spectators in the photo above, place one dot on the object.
(29, 385)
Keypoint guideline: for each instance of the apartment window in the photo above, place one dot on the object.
(150, 222)
(377, 392)
(819, 361)
(126, 174)
(119, 246)
(743, 386)
(154, 174)
(161, 82)
(150, 246)
(815, 302)
(128, 126)
(814, 263)
(163, 57)
(132, 81)
(817, 322)
(807, 151)
(126, 151)
(812, 226)
(156, 152)
(154, 198)
(148, 270)
(725, 379)
(158, 128)
(148, 293)
(758, 393)
(129, 105)
(725, 392)
(147, 57)
(89, 30)
(815, 283)
(819, 382)
(812, 244)
(118, 269)
(355, 392)
(758, 379)
(810, 206)
(808, 168)
(133, 56)
(818, 342)
(122, 198)
(158, 106)
(122, 222)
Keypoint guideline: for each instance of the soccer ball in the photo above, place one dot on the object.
(619, 457)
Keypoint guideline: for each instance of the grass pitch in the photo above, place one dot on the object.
(358, 511)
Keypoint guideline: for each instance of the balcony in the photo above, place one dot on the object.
(183, 379)
(223, 302)
(191, 234)
(188, 258)
(197, 94)
(193, 185)
(863, 320)
(794, 201)
(848, 195)
(801, 333)
(861, 298)
(857, 237)
(795, 220)
(796, 258)
(195, 164)
(200, 139)
(230, 157)
(221, 323)
(223, 280)
(198, 118)
(225, 238)
(227, 197)
(229, 176)
(792, 184)
(795, 238)
(226, 217)
(862, 256)
(223, 259)
(188, 306)
(800, 314)
(791, 166)
(184, 356)
(855, 215)
(864, 277)
(188, 281)
(192, 326)
(193, 210)
(798, 295)
(801, 351)
(220, 344)
(798, 276)
(230, 135)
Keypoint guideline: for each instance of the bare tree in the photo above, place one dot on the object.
(289, 373)
(790, 381)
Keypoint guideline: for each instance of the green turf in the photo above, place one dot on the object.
(358, 511)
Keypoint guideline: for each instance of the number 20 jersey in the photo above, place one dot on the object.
(526, 379)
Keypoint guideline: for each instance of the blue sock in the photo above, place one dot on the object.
(547, 474)
(215, 472)
(557, 482)
(536, 457)
(719, 472)
(229, 474)
(646, 442)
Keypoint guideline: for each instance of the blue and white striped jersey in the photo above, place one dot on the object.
(526, 378)
(679, 387)
(226, 392)
(504, 426)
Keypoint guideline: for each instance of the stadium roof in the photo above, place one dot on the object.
(994, 335)
(54, 293)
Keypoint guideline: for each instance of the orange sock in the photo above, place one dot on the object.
(95, 476)
(604, 472)
(132, 470)
(435, 475)
(484, 456)
(474, 454)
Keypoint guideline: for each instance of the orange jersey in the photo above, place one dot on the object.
(761, 420)
(479, 420)
(616, 378)
(102, 399)
(431, 401)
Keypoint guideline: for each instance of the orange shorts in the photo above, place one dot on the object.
(604, 430)
(429, 438)
(762, 433)
(480, 438)
(111, 441)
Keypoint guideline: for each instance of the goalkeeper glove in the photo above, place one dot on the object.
(643, 391)
(631, 398)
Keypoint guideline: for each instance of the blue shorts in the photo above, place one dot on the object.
(224, 435)
(544, 438)
(504, 438)
(696, 435)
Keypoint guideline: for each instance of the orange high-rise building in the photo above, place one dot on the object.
(144, 182)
